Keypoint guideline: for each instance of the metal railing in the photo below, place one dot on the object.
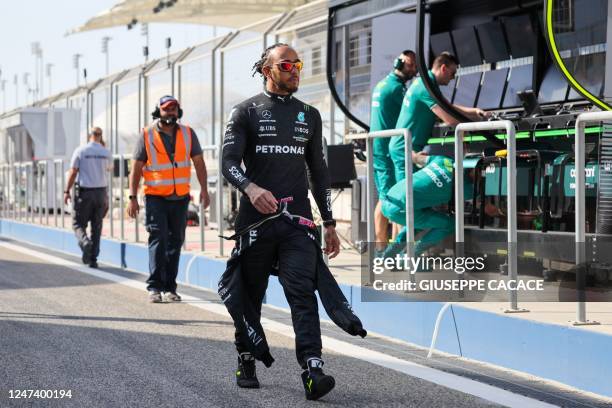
(30, 193)
(371, 199)
(508, 126)
(22, 192)
(216, 150)
(4, 192)
(219, 192)
(123, 187)
(580, 206)
(58, 204)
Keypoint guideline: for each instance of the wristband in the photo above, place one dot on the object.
(132, 197)
(329, 223)
(67, 192)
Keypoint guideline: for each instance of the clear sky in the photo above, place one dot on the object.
(47, 21)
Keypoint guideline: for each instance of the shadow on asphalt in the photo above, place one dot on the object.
(39, 275)
(111, 367)
(25, 315)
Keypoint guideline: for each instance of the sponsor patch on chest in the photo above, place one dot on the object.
(276, 149)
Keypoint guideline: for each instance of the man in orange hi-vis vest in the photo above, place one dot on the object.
(163, 157)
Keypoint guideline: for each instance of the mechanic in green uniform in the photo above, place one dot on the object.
(419, 112)
(386, 104)
(433, 186)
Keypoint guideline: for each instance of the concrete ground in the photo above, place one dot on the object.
(64, 329)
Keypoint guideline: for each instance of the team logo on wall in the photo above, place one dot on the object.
(301, 116)
(266, 114)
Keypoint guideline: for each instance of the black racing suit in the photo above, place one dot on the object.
(277, 138)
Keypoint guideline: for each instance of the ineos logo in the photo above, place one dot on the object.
(266, 114)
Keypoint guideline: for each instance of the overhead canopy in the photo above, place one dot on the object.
(224, 13)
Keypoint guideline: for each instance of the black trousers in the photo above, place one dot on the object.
(89, 208)
(297, 259)
(166, 221)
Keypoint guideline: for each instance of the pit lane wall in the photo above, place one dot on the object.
(573, 356)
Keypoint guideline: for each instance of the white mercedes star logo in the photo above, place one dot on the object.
(266, 114)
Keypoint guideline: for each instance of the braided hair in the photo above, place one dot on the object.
(261, 63)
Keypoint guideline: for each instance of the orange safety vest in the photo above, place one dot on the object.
(162, 177)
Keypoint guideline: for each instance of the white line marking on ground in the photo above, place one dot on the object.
(451, 381)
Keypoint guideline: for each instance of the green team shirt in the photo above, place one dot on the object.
(416, 114)
(432, 185)
(386, 102)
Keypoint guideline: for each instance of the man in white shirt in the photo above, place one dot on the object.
(89, 167)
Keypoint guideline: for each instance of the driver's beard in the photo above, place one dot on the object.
(284, 87)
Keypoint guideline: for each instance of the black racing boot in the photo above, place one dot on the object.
(246, 377)
(87, 253)
(316, 383)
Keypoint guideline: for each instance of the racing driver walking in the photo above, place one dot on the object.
(278, 138)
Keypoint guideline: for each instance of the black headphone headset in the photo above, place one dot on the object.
(157, 114)
(398, 63)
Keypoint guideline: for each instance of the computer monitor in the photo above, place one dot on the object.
(467, 89)
(521, 36)
(553, 88)
(466, 43)
(492, 42)
(589, 71)
(341, 165)
(520, 79)
(492, 89)
(441, 42)
(449, 90)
